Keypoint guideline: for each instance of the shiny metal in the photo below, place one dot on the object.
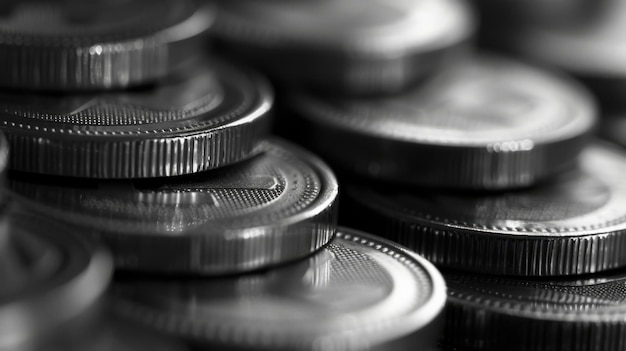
(593, 49)
(276, 207)
(489, 123)
(50, 279)
(574, 314)
(353, 47)
(574, 224)
(208, 115)
(357, 293)
(78, 45)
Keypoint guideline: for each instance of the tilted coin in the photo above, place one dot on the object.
(207, 115)
(353, 47)
(357, 293)
(592, 50)
(78, 45)
(51, 279)
(573, 314)
(276, 207)
(488, 123)
(574, 224)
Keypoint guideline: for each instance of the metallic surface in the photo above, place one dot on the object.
(352, 46)
(574, 314)
(207, 115)
(76, 45)
(50, 278)
(276, 207)
(574, 224)
(489, 123)
(357, 293)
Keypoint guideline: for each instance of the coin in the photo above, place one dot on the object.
(592, 49)
(574, 224)
(499, 313)
(276, 207)
(208, 115)
(348, 47)
(356, 293)
(51, 279)
(76, 45)
(490, 123)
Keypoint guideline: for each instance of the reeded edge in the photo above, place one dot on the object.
(36, 313)
(238, 248)
(213, 331)
(478, 323)
(148, 156)
(504, 251)
(101, 65)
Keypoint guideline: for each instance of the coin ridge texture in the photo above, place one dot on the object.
(275, 207)
(359, 292)
(207, 116)
(76, 276)
(574, 225)
(577, 313)
(378, 47)
(51, 47)
(489, 123)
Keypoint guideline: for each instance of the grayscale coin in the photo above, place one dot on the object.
(276, 207)
(51, 279)
(78, 45)
(207, 115)
(592, 50)
(352, 47)
(573, 224)
(357, 293)
(488, 123)
(574, 314)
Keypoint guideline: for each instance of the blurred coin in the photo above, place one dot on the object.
(488, 123)
(573, 224)
(77, 45)
(55, 280)
(593, 49)
(206, 116)
(573, 314)
(354, 47)
(357, 293)
(273, 208)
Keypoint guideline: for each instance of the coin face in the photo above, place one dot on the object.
(580, 310)
(50, 278)
(204, 117)
(584, 204)
(374, 25)
(388, 293)
(284, 197)
(72, 45)
(457, 130)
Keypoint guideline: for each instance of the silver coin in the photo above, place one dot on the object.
(275, 207)
(356, 293)
(77, 45)
(207, 115)
(488, 123)
(498, 313)
(51, 278)
(360, 47)
(574, 224)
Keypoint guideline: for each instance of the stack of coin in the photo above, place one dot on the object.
(124, 130)
(484, 166)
